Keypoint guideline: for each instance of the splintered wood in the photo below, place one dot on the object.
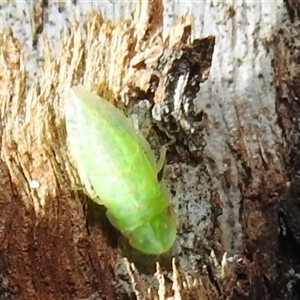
(119, 60)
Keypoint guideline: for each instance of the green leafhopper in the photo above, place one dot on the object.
(118, 164)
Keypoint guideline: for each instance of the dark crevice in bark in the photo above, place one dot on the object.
(287, 75)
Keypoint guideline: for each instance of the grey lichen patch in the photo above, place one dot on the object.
(191, 198)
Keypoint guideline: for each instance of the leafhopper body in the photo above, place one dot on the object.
(121, 168)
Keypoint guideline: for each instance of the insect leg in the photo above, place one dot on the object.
(161, 163)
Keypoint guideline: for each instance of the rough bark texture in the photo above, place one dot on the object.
(287, 78)
(232, 167)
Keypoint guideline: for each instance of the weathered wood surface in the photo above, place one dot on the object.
(236, 197)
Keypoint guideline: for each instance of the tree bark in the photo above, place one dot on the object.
(232, 155)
